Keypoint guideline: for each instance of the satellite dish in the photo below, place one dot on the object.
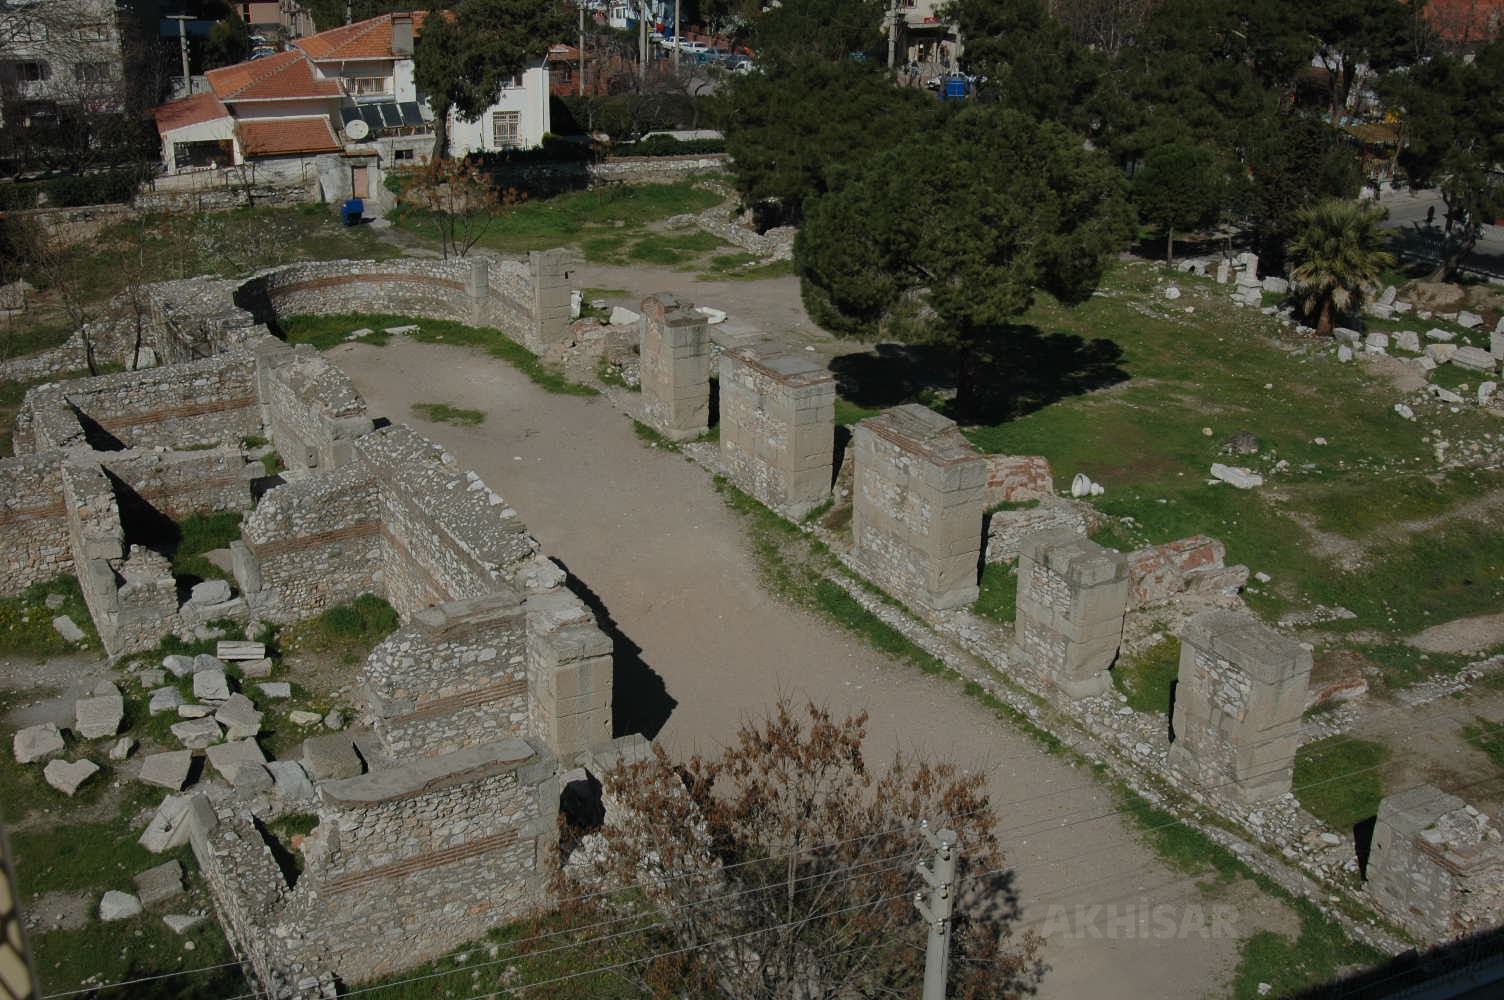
(357, 129)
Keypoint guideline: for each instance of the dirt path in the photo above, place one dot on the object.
(647, 534)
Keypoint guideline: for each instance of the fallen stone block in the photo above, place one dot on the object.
(1407, 340)
(225, 756)
(1343, 335)
(164, 699)
(168, 770)
(239, 717)
(197, 734)
(149, 679)
(291, 779)
(67, 629)
(98, 717)
(1278, 286)
(176, 819)
(208, 593)
(1376, 342)
(1444, 394)
(1469, 320)
(211, 685)
(1344, 353)
(330, 758)
(402, 331)
(275, 689)
(204, 661)
(1243, 479)
(1441, 353)
(247, 776)
(35, 742)
(66, 776)
(55, 602)
(1475, 359)
(301, 718)
(231, 650)
(1404, 411)
(622, 317)
(1440, 336)
(195, 711)
(1486, 392)
(1496, 341)
(118, 906)
(181, 923)
(159, 884)
(255, 669)
(178, 665)
(122, 748)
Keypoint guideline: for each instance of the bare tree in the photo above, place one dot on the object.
(784, 869)
(1104, 25)
(460, 198)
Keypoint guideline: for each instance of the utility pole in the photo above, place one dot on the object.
(642, 39)
(581, 4)
(676, 35)
(183, 20)
(935, 905)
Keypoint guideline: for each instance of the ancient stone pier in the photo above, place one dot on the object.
(1436, 864)
(675, 350)
(777, 418)
(1072, 597)
(550, 271)
(917, 506)
(1241, 692)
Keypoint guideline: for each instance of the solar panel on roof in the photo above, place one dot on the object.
(411, 116)
(390, 116)
(372, 116)
(348, 115)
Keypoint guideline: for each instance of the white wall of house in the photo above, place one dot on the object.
(216, 130)
(526, 107)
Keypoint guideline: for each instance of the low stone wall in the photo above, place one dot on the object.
(654, 169)
(1007, 529)
(440, 289)
(675, 352)
(405, 864)
(33, 522)
(312, 544)
(70, 357)
(309, 407)
(1160, 573)
(180, 483)
(206, 402)
(1072, 599)
(1018, 477)
(454, 677)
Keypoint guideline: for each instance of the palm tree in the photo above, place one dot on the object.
(1339, 256)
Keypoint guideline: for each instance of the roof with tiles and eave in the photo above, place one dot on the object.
(287, 136)
(284, 76)
(193, 110)
(368, 39)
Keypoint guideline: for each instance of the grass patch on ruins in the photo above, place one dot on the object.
(998, 594)
(610, 374)
(651, 437)
(1346, 506)
(1488, 737)
(324, 332)
(26, 621)
(840, 607)
(848, 413)
(1149, 677)
(349, 631)
(1339, 780)
(443, 413)
(137, 948)
(569, 218)
(199, 534)
(92, 857)
(1320, 954)
(661, 249)
(744, 267)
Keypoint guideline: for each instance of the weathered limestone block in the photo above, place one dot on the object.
(777, 420)
(159, 884)
(675, 350)
(551, 271)
(1072, 598)
(1007, 529)
(1160, 572)
(918, 495)
(1241, 692)
(569, 675)
(36, 742)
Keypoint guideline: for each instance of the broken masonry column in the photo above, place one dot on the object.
(1436, 865)
(675, 349)
(1238, 704)
(569, 676)
(777, 420)
(917, 506)
(1072, 600)
(551, 271)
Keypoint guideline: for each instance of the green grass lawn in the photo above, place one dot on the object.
(568, 219)
(443, 413)
(1339, 780)
(1148, 678)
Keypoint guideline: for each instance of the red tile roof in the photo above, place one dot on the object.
(189, 111)
(284, 76)
(1466, 20)
(369, 39)
(285, 136)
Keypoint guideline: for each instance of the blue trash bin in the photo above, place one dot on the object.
(352, 211)
(956, 88)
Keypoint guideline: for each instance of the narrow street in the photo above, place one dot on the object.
(647, 534)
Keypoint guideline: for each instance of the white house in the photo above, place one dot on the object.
(338, 110)
(55, 53)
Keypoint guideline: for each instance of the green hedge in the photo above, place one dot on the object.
(667, 145)
(103, 188)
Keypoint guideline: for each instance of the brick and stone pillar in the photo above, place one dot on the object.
(1241, 692)
(551, 271)
(675, 349)
(1072, 598)
(569, 676)
(777, 419)
(1436, 865)
(917, 505)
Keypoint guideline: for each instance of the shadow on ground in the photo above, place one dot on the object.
(640, 702)
(1015, 371)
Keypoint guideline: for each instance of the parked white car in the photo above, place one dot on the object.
(693, 48)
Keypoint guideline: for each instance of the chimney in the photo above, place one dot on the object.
(402, 34)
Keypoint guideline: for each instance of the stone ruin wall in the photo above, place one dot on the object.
(451, 678)
(777, 428)
(198, 404)
(33, 522)
(309, 407)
